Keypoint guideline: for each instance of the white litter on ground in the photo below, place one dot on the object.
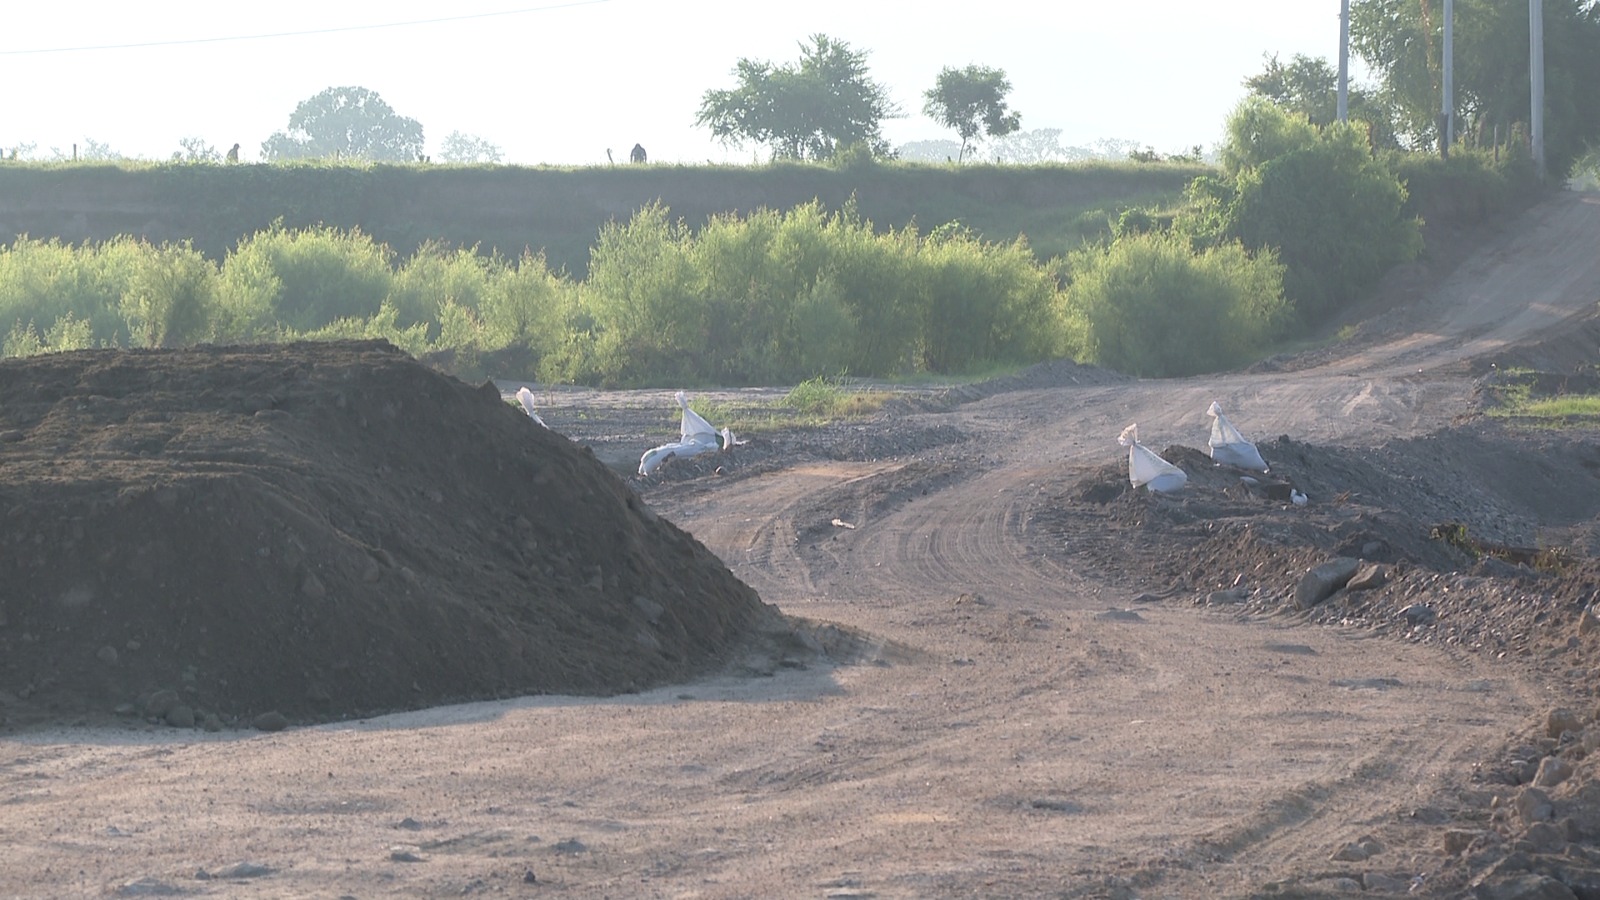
(1146, 468)
(695, 436)
(525, 397)
(1229, 447)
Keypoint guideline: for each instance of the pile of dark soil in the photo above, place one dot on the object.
(326, 531)
(1483, 537)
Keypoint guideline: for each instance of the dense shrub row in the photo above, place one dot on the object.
(1296, 225)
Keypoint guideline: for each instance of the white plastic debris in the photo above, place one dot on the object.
(1146, 468)
(1228, 446)
(695, 436)
(1297, 498)
(525, 397)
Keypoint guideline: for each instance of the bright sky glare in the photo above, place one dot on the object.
(561, 81)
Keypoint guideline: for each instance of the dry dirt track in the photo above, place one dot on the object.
(1009, 730)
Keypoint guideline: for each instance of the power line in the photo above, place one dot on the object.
(314, 31)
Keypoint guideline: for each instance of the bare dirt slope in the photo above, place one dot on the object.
(1035, 681)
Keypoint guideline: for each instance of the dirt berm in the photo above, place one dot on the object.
(325, 531)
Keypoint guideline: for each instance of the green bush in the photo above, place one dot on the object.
(985, 304)
(301, 280)
(1150, 305)
(436, 275)
(1334, 214)
(170, 297)
(44, 281)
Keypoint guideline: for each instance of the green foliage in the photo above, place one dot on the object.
(808, 110)
(436, 275)
(972, 101)
(44, 281)
(381, 324)
(1334, 214)
(1150, 305)
(1402, 42)
(346, 123)
(302, 279)
(1467, 186)
(170, 295)
(776, 297)
(1310, 86)
(985, 304)
(196, 150)
(825, 398)
(467, 149)
(1258, 131)
(66, 333)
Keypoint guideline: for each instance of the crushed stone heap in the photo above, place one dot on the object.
(327, 530)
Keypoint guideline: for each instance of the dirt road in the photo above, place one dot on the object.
(1007, 723)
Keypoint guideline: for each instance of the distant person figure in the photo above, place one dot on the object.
(233, 154)
(638, 154)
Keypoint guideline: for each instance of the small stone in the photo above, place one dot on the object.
(570, 845)
(244, 870)
(1350, 853)
(1533, 805)
(1419, 614)
(1379, 883)
(107, 655)
(529, 878)
(1546, 837)
(1323, 581)
(1562, 719)
(1457, 840)
(1119, 615)
(1588, 620)
(158, 704)
(1552, 771)
(404, 856)
(1368, 577)
(311, 586)
(270, 721)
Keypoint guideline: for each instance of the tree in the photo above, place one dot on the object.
(1333, 213)
(1310, 86)
(806, 110)
(90, 150)
(196, 150)
(467, 149)
(346, 122)
(971, 100)
(1402, 41)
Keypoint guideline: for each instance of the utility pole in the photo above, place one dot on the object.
(1536, 78)
(1344, 60)
(1447, 113)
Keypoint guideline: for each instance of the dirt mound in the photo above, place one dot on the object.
(1484, 534)
(329, 531)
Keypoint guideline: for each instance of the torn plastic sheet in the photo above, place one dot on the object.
(695, 436)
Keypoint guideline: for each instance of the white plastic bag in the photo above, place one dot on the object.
(525, 397)
(1146, 468)
(1229, 447)
(695, 436)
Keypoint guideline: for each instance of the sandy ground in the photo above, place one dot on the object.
(1004, 727)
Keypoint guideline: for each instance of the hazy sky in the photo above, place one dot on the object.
(560, 82)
